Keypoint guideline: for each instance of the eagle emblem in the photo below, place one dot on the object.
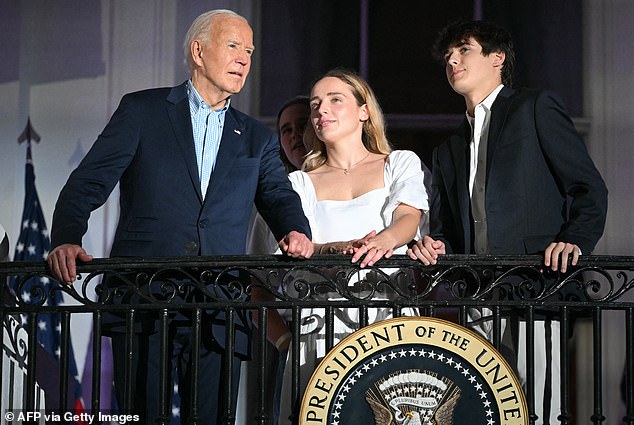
(413, 398)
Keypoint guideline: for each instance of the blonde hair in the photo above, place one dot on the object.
(200, 30)
(373, 137)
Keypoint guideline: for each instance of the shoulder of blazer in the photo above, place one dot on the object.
(510, 99)
(177, 94)
(511, 96)
(171, 94)
(505, 98)
(507, 92)
(141, 99)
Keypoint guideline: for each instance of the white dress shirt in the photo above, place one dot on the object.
(479, 131)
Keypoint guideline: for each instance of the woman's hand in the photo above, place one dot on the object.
(405, 221)
(374, 247)
(343, 247)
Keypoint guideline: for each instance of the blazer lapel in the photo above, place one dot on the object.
(180, 118)
(460, 154)
(499, 113)
(230, 144)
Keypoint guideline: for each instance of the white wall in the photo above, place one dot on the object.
(609, 105)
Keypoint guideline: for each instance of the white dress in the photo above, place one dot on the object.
(332, 221)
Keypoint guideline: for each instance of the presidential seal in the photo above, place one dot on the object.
(411, 371)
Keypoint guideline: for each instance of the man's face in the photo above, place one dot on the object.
(469, 70)
(223, 62)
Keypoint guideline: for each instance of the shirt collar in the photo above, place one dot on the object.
(196, 101)
(488, 101)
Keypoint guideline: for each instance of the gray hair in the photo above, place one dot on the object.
(200, 30)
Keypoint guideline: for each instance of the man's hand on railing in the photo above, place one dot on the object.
(560, 252)
(296, 245)
(426, 250)
(62, 261)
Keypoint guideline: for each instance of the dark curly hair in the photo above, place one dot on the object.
(492, 38)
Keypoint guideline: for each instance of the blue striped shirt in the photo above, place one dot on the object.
(207, 127)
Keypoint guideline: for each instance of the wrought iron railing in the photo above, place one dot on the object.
(507, 286)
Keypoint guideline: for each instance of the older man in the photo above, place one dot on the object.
(189, 166)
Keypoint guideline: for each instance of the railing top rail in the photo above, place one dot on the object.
(466, 279)
(279, 261)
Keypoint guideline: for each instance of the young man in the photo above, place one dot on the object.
(515, 178)
(190, 167)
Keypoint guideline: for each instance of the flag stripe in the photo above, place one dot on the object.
(33, 244)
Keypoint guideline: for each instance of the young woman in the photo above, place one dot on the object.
(360, 197)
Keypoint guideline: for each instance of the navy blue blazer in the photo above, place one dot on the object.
(148, 148)
(541, 184)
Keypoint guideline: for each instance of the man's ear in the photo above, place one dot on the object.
(498, 58)
(196, 49)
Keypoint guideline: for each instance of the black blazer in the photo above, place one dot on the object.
(541, 185)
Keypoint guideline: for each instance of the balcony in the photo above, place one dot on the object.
(593, 296)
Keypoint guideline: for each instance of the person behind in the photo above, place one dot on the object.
(515, 178)
(351, 184)
(190, 167)
(291, 121)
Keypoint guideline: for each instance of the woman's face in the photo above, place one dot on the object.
(291, 126)
(335, 114)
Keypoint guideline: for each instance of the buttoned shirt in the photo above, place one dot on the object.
(479, 131)
(207, 125)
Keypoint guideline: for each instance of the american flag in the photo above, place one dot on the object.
(33, 245)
